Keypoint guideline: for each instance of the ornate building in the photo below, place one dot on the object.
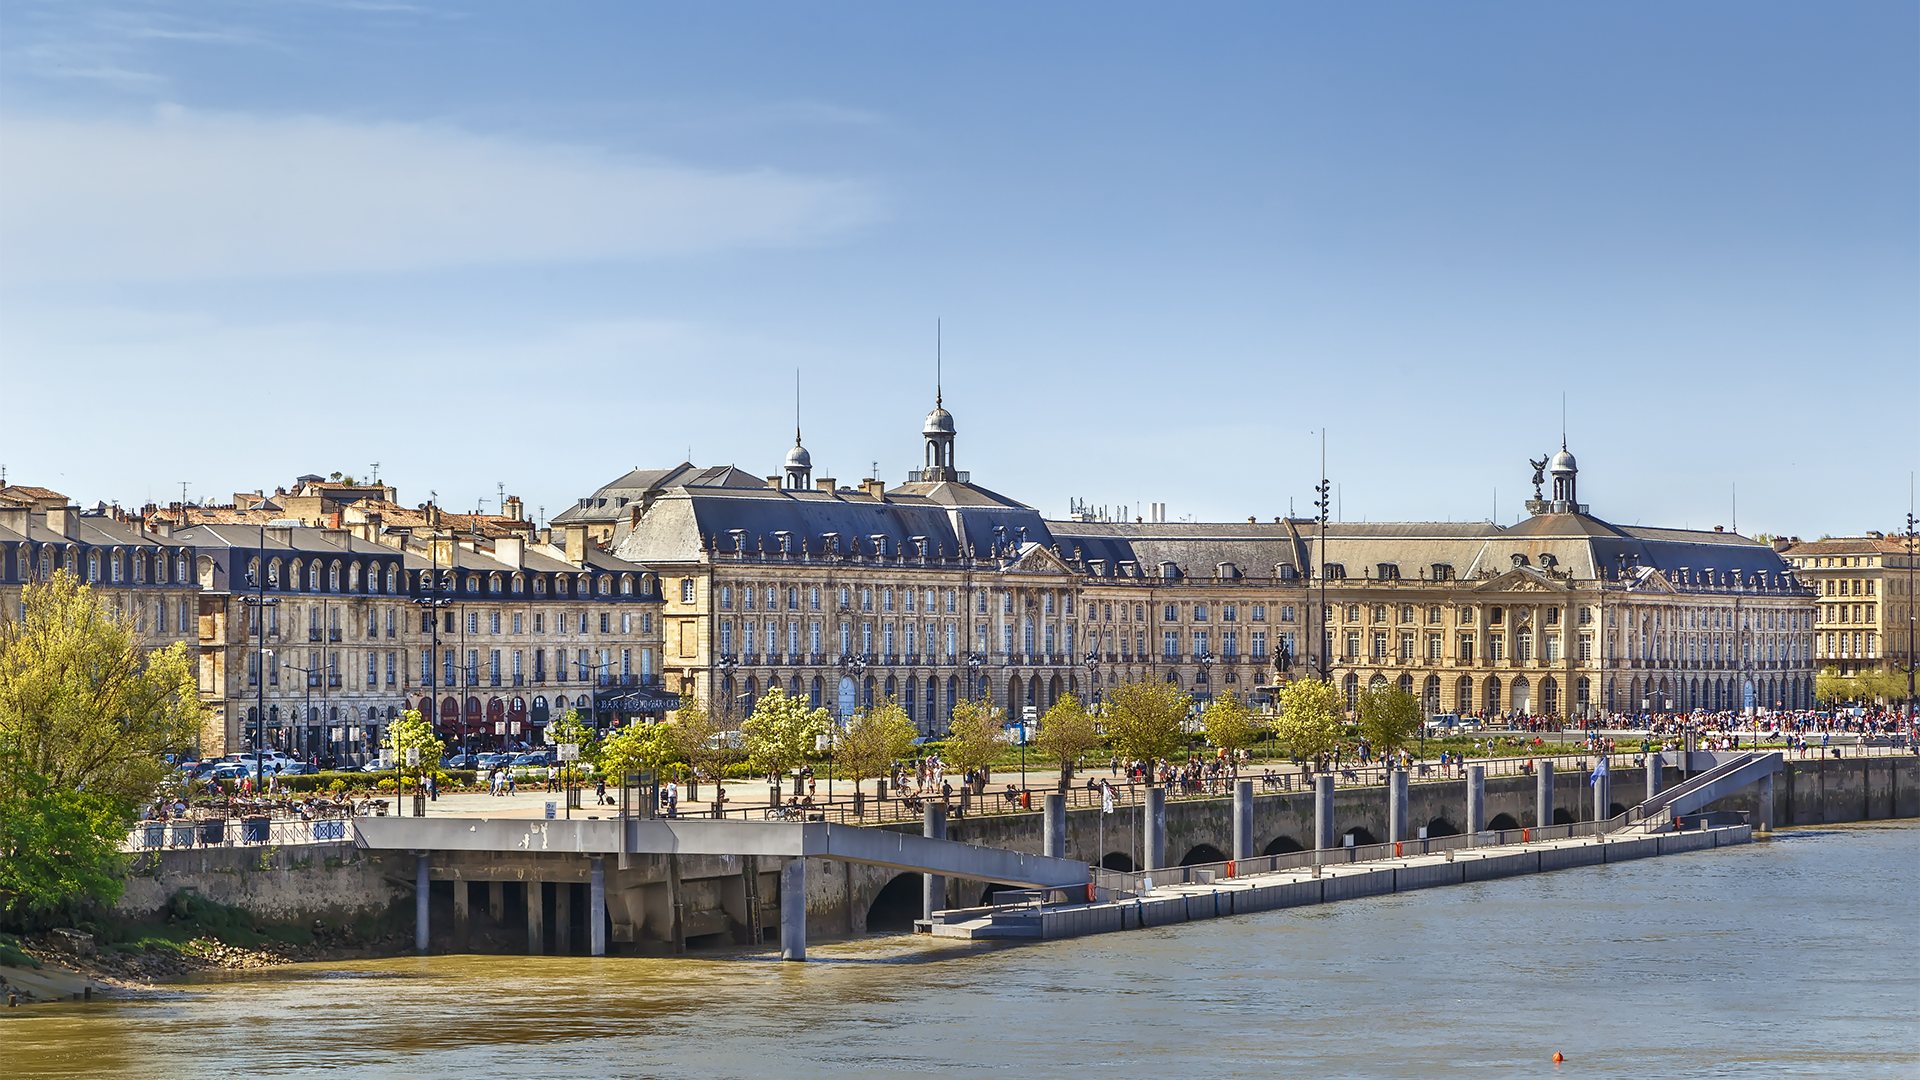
(1865, 611)
(939, 589)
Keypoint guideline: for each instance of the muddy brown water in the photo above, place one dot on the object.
(1791, 957)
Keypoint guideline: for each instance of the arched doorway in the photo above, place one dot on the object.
(1118, 860)
(1281, 845)
(1522, 696)
(898, 904)
(1202, 853)
(1441, 827)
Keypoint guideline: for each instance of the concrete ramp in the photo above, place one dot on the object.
(1726, 777)
(814, 840)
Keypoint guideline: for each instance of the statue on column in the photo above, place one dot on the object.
(1539, 475)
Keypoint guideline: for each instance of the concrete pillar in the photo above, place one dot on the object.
(563, 918)
(536, 918)
(1243, 820)
(1763, 820)
(1653, 774)
(1476, 798)
(676, 907)
(793, 910)
(1602, 795)
(933, 896)
(462, 913)
(420, 892)
(1397, 806)
(1543, 793)
(1054, 829)
(1153, 828)
(1323, 811)
(497, 901)
(597, 908)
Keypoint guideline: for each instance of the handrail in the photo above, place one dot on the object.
(1657, 803)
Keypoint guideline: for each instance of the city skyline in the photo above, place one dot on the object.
(468, 243)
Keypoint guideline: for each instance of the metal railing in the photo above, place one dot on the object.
(251, 831)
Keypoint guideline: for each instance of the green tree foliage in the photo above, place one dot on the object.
(1389, 717)
(1310, 714)
(639, 746)
(781, 732)
(411, 732)
(876, 738)
(700, 740)
(1067, 733)
(1831, 688)
(1232, 726)
(83, 704)
(976, 736)
(571, 729)
(87, 713)
(1144, 719)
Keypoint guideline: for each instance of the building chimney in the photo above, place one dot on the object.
(875, 488)
(14, 518)
(773, 482)
(577, 544)
(514, 509)
(825, 483)
(508, 550)
(63, 519)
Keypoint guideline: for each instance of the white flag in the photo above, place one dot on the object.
(1106, 799)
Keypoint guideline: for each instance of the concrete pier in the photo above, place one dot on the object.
(420, 894)
(1153, 828)
(536, 918)
(1543, 793)
(1476, 798)
(563, 918)
(1323, 812)
(497, 901)
(1397, 807)
(1763, 819)
(933, 826)
(793, 909)
(597, 907)
(1243, 819)
(462, 915)
(1054, 826)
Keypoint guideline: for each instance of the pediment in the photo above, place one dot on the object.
(1651, 580)
(1038, 559)
(1522, 579)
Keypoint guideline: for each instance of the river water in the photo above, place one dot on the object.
(1792, 957)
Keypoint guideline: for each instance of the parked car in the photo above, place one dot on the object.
(462, 761)
(1442, 724)
(296, 768)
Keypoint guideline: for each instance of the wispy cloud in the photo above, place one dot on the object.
(191, 195)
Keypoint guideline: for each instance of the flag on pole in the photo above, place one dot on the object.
(1106, 798)
(1599, 772)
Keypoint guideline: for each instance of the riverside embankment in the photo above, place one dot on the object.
(718, 900)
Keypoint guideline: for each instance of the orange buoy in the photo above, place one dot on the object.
(1557, 1059)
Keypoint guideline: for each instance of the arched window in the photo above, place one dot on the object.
(539, 586)
(626, 584)
(353, 578)
(273, 573)
(313, 576)
(493, 584)
(393, 577)
(519, 584)
(606, 584)
(560, 584)
(93, 566)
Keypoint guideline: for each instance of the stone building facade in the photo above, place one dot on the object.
(939, 589)
(1863, 592)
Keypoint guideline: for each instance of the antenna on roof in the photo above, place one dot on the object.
(375, 466)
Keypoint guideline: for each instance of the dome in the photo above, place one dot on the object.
(1563, 463)
(939, 422)
(798, 458)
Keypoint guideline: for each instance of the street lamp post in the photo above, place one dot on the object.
(311, 674)
(974, 662)
(434, 597)
(1910, 615)
(1321, 506)
(1093, 676)
(260, 603)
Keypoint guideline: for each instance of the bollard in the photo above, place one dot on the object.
(1243, 820)
(1397, 807)
(1054, 825)
(934, 886)
(1322, 814)
(1543, 794)
(1476, 799)
(793, 910)
(1153, 828)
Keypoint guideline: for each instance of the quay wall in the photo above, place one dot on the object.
(663, 903)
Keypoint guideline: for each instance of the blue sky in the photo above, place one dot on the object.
(540, 244)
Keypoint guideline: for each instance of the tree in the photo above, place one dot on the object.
(1231, 726)
(410, 732)
(1310, 714)
(1830, 687)
(976, 735)
(1067, 732)
(1145, 719)
(700, 740)
(1389, 717)
(639, 746)
(571, 729)
(781, 732)
(84, 705)
(877, 737)
(87, 713)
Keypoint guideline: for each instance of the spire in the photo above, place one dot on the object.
(799, 465)
(938, 430)
(936, 364)
(796, 407)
